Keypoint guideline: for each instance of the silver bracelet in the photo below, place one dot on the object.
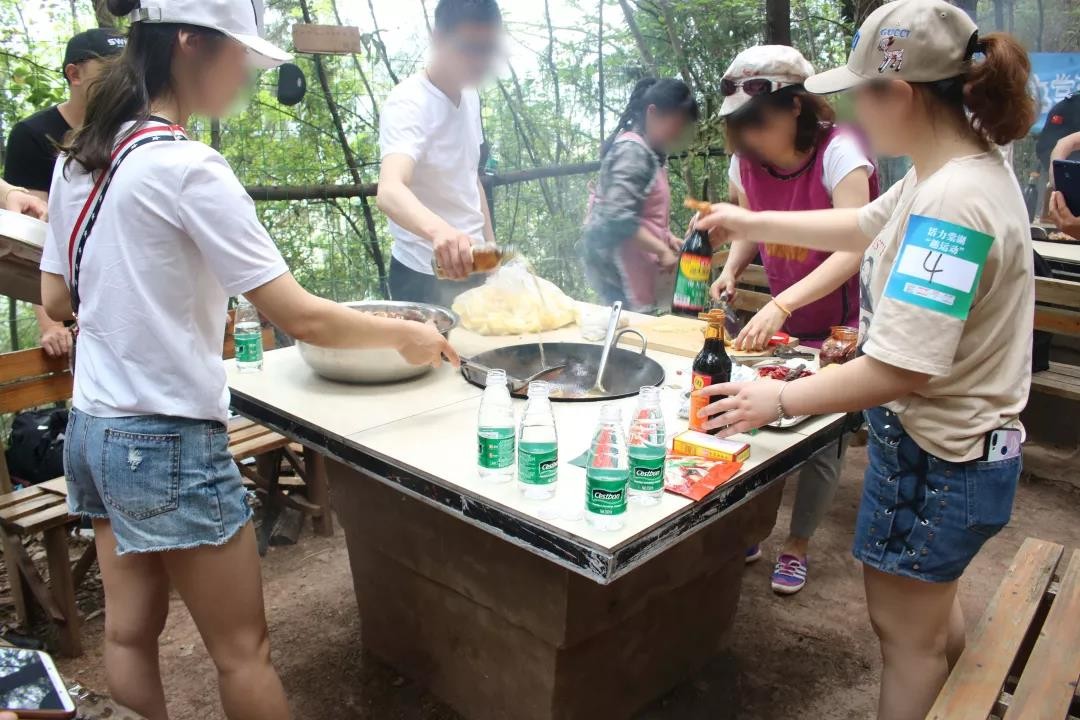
(781, 414)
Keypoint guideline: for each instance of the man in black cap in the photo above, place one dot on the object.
(31, 148)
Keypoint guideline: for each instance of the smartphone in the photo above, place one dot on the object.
(1067, 182)
(1003, 445)
(31, 687)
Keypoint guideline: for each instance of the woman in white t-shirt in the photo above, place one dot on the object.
(947, 317)
(150, 234)
(790, 155)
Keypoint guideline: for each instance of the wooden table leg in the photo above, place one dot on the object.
(268, 466)
(318, 489)
(62, 583)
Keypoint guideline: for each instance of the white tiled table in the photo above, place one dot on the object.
(506, 607)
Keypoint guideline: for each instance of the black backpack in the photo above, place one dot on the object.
(35, 450)
(1040, 342)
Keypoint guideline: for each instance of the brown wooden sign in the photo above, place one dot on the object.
(326, 39)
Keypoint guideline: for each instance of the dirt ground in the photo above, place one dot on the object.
(812, 655)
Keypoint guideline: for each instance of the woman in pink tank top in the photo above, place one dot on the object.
(627, 240)
(789, 155)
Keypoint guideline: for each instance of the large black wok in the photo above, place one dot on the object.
(627, 371)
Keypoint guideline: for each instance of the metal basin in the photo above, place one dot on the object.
(627, 371)
(376, 366)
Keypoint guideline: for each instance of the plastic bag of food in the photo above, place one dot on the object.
(514, 302)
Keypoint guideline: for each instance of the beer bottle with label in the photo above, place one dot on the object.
(712, 366)
(693, 275)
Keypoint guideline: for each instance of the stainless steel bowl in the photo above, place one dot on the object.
(376, 366)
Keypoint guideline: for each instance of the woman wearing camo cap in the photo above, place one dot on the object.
(948, 309)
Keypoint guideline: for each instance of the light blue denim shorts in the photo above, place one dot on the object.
(164, 483)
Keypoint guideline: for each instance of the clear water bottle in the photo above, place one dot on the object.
(495, 454)
(647, 443)
(247, 337)
(538, 445)
(608, 473)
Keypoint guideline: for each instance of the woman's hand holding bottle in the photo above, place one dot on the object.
(745, 406)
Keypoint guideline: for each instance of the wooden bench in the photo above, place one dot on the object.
(1023, 661)
(1057, 311)
(30, 379)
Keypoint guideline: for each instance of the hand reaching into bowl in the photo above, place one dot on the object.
(422, 344)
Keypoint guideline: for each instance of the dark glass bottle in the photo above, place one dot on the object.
(693, 275)
(711, 366)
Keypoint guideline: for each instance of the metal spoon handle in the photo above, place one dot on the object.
(609, 340)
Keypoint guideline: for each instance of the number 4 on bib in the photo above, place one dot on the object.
(939, 266)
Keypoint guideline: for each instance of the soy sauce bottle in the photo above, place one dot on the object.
(693, 275)
(712, 366)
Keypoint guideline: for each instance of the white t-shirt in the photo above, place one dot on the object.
(175, 238)
(843, 155)
(444, 140)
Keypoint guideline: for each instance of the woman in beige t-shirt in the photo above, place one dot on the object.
(947, 311)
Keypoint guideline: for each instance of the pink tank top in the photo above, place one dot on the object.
(786, 265)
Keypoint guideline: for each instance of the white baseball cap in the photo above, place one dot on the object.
(242, 20)
(781, 64)
(910, 40)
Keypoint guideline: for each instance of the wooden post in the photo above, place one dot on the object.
(62, 585)
(318, 488)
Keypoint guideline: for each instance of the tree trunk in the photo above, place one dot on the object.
(354, 166)
(105, 18)
(380, 46)
(360, 69)
(1042, 24)
(778, 22)
(676, 43)
(639, 39)
(427, 18)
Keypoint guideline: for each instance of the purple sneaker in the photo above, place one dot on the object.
(753, 554)
(789, 577)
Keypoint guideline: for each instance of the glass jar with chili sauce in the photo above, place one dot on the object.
(711, 367)
(486, 257)
(840, 347)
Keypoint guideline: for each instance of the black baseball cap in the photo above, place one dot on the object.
(94, 45)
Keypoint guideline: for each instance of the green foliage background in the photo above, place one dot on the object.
(545, 111)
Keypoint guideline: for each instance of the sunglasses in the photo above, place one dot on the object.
(752, 86)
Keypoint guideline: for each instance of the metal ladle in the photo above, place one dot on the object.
(609, 341)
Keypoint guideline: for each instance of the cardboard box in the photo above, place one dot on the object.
(699, 444)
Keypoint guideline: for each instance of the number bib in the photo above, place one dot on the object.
(938, 266)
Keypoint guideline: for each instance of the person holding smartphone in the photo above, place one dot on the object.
(150, 233)
(1060, 214)
(790, 155)
(948, 311)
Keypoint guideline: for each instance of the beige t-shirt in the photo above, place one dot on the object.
(948, 289)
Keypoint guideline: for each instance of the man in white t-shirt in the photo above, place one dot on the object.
(430, 140)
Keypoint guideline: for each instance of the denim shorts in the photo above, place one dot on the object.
(164, 483)
(923, 517)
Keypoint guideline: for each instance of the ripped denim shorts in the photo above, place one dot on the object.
(164, 483)
(923, 517)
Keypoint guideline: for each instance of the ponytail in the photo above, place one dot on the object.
(667, 94)
(996, 92)
(127, 88)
